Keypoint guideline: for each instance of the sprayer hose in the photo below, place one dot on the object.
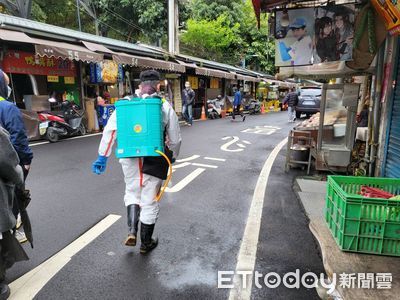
(162, 190)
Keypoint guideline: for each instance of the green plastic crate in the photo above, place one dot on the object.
(359, 224)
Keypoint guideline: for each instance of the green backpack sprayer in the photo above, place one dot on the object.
(140, 131)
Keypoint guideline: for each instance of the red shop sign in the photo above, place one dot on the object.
(27, 63)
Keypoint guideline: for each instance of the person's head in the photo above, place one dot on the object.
(341, 20)
(187, 84)
(325, 27)
(150, 82)
(298, 28)
(219, 97)
(5, 90)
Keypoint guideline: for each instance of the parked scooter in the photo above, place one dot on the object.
(52, 126)
(215, 108)
(254, 107)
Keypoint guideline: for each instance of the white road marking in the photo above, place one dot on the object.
(241, 145)
(216, 159)
(224, 147)
(72, 138)
(185, 181)
(248, 248)
(185, 164)
(193, 157)
(226, 138)
(205, 166)
(247, 142)
(27, 286)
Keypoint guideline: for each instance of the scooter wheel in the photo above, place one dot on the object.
(52, 136)
(82, 129)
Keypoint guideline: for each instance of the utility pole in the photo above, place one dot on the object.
(173, 23)
(78, 15)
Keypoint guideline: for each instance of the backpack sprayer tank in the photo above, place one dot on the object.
(140, 131)
(140, 127)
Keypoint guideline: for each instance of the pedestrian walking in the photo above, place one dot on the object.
(11, 176)
(143, 176)
(11, 120)
(188, 96)
(291, 99)
(237, 102)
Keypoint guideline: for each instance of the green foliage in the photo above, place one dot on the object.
(242, 41)
(211, 39)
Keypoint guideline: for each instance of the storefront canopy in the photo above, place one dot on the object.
(145, 62)
(15, 36)
(214, 73)
(186, 64)
(97, 47)
(65, 51)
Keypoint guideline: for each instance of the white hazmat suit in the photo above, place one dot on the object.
(141, 189)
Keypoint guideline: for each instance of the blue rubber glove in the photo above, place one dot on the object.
(99, 166)
(285, 56)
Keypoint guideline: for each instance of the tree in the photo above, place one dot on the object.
(243, 43)
(212, 39)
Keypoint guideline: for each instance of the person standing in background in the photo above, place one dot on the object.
(188, 96)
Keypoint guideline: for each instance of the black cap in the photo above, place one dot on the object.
(149, 75)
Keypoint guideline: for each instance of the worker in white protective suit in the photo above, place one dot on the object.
(141, 187)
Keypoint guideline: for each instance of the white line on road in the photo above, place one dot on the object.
(27, 286)
(193, 157)
(205, 166)
(216, 159)
(185, 181)
(224, 147)
(241, 145)
(72, 138)
(182, 165)
(248, 248)
(247, 142)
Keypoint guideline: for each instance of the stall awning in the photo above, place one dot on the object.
(97, 47)
(15, 36)
(213, 73)
(188, 65)
(146, 62)
(65, 51)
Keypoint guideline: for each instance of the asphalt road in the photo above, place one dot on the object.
(200, 226)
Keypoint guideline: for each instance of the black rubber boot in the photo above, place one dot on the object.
(148, 243)
(133, 224)
(4, 291)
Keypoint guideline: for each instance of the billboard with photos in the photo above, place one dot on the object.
(314, 35)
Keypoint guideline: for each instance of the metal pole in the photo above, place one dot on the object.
(78, 15)
(171, 26)
(377, 108)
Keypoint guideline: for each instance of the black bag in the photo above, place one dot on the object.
(157, 166)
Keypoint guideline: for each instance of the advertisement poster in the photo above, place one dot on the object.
(20, 62)
(314, 35)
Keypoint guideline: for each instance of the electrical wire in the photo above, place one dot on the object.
(101, 22)
(123, 19)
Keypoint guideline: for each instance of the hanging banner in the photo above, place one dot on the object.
(314, 35)
(19, 62)
(214, 83)
(390, 12)
(194, 82)
(107, 71)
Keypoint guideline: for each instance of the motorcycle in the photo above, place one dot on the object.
(254, 107)
(214, 108)
(52, 126)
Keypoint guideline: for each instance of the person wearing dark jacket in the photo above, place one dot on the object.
(11, 120)
(188, 96)
(291, 99)
(11, 176)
